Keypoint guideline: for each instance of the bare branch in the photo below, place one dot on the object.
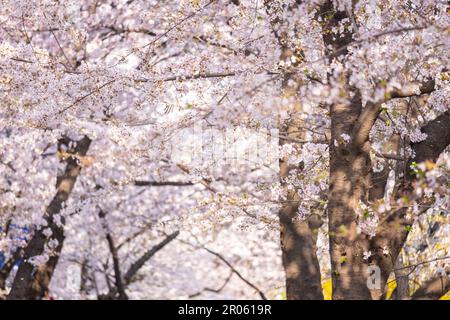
(261, 294)
(138, 264)
(143, 183)
(371, 111)
(134, 268)
(86, 96)
(218, 290)
(115, 256)
(412, 90)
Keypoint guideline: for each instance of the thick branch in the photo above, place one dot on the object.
(393, 231)
(134, 268)
(115, 256)
(31, 282)
(365, 122)
(372, 110)
(261, 294)
(434, 288)
(438, 138)
(412, 90)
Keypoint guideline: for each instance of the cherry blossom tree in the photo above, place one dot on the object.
(194, 148)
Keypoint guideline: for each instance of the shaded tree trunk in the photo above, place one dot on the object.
(32, 282)
(297, 239)
(393, 232)
(351, 178)
(349, 175)
(297, 236)
(402, 280)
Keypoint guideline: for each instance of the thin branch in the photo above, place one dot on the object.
(343, 48)
(261, 294)
(60, 47)
(135, 235)
(143, 183)
(119, 30)
(191, 77)
(21, 60)
(134, 268)
(421, 263)
(112, 248)
(86, 96)
(218, 290)
(319, 141)
(179, 23)
(229, 265)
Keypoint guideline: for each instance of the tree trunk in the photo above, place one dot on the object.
(298, 242)
(299, 257)
(401, 279)
(32, 282)
(350, 178)
(393, 232)
(350, 173)
(297, 239)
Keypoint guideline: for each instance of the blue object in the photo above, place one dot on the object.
(16, 233)
(2, 259)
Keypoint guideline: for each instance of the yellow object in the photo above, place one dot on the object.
(445, 296)
(391, 287)
(326, 289)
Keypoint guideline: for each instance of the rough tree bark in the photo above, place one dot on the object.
(137, 265)
(351, 175)
(394, 230)
(32, 282)
(297, 238)
(350, 178)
